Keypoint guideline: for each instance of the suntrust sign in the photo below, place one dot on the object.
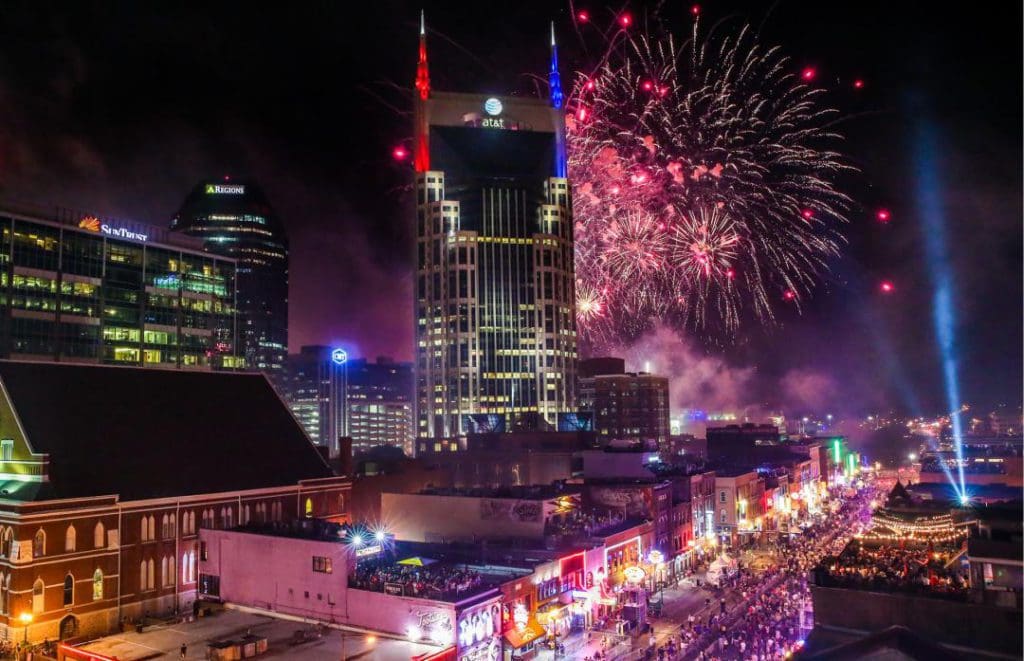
(93, 224)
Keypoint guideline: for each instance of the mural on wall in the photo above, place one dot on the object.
(520, 511)
(631, 501)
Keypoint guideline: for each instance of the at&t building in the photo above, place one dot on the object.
(495, 299)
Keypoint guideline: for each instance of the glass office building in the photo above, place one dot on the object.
(234, 219)
(495, 288)
(370, 402)
(79, 288)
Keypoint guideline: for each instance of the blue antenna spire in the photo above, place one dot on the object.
(555, 82)
(554, 79)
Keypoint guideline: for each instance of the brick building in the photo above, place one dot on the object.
(108, 473)
(626, 405)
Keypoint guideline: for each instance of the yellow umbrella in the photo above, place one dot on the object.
(417, 561)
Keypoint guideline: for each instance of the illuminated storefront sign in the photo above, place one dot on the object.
(93, 224)
(634, 574)
(339, 357)
(368, 550)
(223, 189)
(480, 634)
(520, 616)
(432, 625)
(656, 557)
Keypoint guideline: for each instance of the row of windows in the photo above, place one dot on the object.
(148, 533)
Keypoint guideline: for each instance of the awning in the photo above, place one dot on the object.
(417, 561)
(531, 632)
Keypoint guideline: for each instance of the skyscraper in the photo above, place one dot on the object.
(495, 288)
(312, 383)
(234, 219)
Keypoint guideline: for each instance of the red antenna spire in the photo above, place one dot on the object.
(422, 73)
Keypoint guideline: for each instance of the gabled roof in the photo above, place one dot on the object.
(152, 433)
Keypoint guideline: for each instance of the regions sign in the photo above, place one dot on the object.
(225, 189)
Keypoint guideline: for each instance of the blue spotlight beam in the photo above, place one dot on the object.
(929, 200)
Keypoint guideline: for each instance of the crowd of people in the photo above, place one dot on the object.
(764, 623)
(586, 521)
(432, 581)
(892, 567)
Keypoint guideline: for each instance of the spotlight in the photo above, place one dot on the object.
(357, 540)
(379, 535)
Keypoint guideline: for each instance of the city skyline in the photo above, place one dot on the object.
(349, 237)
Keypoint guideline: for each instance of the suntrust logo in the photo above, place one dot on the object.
(93, 224)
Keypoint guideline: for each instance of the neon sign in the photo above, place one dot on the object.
(221, 189)
(368, 550)
(339, 357)
(93, 224)
(634, 574)
(492, 107)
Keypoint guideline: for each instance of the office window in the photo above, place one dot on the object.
(99, 536)
(39, 544)
(721, 496)
(69, 540)
(322, 565)
(6, 449)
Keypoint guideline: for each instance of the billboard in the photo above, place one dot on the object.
(576, 422)
(483, 423)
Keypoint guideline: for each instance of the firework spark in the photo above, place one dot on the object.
(706, 188)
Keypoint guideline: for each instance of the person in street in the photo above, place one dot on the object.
(184, 650)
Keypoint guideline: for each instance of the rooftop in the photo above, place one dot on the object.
(429, 572)
(73, 219)
(151, 433)
(528, 492)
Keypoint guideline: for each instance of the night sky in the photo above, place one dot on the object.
(120, 108)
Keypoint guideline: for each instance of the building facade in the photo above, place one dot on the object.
(380, 400)
(312, 383)
(740, 506)
(99, 521)
(75, 287)
(332, 396)
(739, 444)
(625, 405)
(495, 286)
(234, 219)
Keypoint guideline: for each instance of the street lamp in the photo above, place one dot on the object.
(370, 640)
(26, 619)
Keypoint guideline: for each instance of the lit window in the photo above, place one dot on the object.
(97, 585)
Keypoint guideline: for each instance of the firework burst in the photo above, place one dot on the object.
(706, 187)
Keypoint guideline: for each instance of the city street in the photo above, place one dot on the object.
(762, 604)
